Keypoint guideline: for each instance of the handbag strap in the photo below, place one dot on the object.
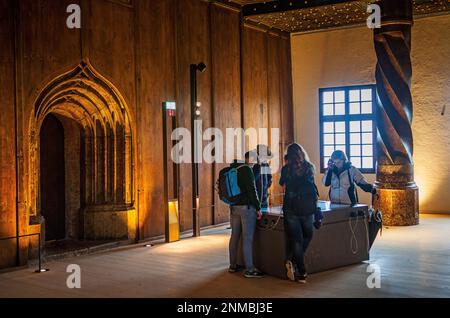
(352, 182)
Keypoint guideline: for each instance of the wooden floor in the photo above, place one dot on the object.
(414, 262)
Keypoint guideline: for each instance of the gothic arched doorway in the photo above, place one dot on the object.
(52, 181)
(84, 159)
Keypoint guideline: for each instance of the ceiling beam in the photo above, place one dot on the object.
(285, 5)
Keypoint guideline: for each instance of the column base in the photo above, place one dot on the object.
(400, 206)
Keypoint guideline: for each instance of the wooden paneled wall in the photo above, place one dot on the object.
(255, 78)
(226, 81)
(156, 82)
(7, 137)
(144, 48)
(267, 90)
(193, 47)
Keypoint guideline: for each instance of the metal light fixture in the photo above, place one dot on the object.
(201, 67)
(171, 175)
(198, 111)
(195, 115)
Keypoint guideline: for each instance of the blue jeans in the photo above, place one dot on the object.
(243, 224)
(298, 231)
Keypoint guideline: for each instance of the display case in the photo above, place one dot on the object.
(342, 240)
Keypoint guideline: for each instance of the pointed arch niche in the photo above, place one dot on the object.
(98, 156)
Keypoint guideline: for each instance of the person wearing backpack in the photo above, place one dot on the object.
(341, 176)
(299, 209)
(245, 210)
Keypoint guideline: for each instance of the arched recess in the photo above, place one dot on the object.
(83, 96)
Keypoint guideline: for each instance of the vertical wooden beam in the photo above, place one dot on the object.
(241, 65)
(138, 143)
(21, 211)
(213, 104)
(16, 12)
(85, 29)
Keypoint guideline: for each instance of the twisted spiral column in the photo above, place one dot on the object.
(398, 193)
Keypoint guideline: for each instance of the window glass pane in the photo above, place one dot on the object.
(340, 139)
(367, 126)
(354, 95)
(355, 126)
(367, 150)
(339, 96)
(354, 132)
(355, 139)
(341, 148)
(367, 138)
(340, 126)
(355, 108)
(339, 109)
(328, 151)
(327, 97)
(328, 110)
(366, 95)
(355, 151)
(328, 139)
(366, 108)
(356, 161)
(328, 127)
(367, 163)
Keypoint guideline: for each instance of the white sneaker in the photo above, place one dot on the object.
(302, 279)
(290, 271)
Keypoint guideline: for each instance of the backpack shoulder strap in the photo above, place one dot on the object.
(240, 167)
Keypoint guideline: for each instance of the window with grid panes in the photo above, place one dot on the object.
(347, 123)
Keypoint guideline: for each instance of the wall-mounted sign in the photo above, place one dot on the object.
(170, 108)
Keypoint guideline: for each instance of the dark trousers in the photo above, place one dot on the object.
(298, 233)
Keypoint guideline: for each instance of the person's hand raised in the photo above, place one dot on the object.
(330, 164)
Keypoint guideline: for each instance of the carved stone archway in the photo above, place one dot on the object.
(83, 96)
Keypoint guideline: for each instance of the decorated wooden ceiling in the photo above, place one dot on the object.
(342, 14)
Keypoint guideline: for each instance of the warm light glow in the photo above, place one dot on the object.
(426, 188)
(200, 245)
(43, 270)
(173, 207)
(174, 224)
